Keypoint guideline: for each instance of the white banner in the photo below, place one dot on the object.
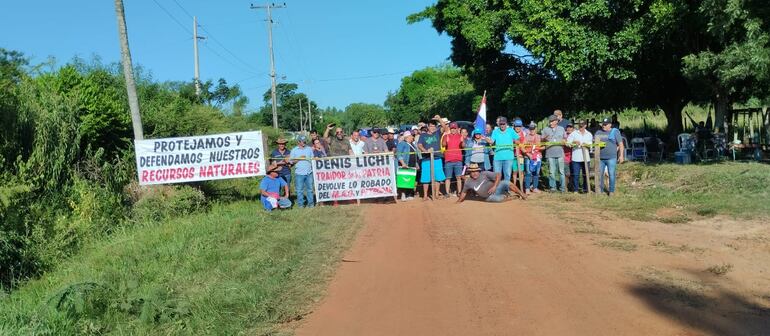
(354, 177)
(200, 158)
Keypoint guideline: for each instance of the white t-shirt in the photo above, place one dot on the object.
(357, 147)
(577, 151)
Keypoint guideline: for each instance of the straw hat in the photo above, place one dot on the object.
(473, 167)
(281, 141)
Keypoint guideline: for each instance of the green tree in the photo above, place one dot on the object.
(289, 103)
(440, 90)
(361, 115)
(736, 64)
(603, 54)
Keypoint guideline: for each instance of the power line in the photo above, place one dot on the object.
(188, 31)
(364, 76)
(213, 38)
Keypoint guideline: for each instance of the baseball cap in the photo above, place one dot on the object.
(376, 130)
(415, 127)
(503, 120)
(532, 125)
(518, 123)
(552, 117)
(606, 121)
(302, 138)
(453, 125)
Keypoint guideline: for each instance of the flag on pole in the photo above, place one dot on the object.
(481, 117)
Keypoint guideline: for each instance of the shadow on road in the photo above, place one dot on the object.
(704, 305)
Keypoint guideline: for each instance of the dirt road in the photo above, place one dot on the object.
(437, 268)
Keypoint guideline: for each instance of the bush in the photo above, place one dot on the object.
(162, 202)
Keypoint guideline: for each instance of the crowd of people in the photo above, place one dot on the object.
(485, 164)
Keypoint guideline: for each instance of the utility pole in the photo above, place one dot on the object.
(128, 71)
(309, 114)
(195, 52)
(301, 124)
(269, 8)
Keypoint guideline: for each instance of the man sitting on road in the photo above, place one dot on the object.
(270, 189)
(485, 184)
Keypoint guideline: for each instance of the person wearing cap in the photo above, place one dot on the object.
(555, 153)
(337, 145)
(562, 121)
(533, 159)
(303, 172)
(408, 157)
(270, 190)
(357, 145)
(391, 140)
(518, 126)
(376, 144)
(568, 156)
(478, 151)
(610, 155)
(430, 142)
(280, 158)
(580, 157)
(484, 184)
(503, 139)
(453, 155)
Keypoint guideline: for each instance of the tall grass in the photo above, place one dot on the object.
(233, 270)
(680, 193)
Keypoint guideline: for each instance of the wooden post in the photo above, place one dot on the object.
(586, 156)
(432, 177)
(520, 165)
(597, 164)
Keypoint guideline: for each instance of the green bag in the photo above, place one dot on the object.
(406, 178)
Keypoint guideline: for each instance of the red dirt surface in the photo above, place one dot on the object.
(436, 268)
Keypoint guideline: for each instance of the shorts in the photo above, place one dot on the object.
(438, 172)
(453, 169)
(516, 166)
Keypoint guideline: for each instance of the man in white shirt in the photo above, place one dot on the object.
(580, 156)
(356, 144)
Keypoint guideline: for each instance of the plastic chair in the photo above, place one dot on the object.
(629, 152)
(683, 139)
(639, 149)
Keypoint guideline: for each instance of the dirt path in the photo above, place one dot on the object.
(436, 269)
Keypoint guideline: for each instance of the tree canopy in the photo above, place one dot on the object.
(440, 90)
(600, 54)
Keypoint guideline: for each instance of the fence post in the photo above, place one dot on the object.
(597, 164)
(586, 156)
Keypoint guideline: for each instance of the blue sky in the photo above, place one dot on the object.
(325, 46)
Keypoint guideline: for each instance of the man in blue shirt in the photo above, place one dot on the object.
(503, 138)
(270, 188)
(303, 172)
(611, 154)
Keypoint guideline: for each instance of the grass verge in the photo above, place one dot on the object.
(235, 269)
(675, 194)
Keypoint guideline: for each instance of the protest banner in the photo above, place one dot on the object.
(200, 158)
(354, 177)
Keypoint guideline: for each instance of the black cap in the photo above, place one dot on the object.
(606, 121)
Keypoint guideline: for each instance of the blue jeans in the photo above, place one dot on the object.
(576, 167)
(532, 177)
(286, 178)
(304, 184)
(283, 203)
(500, 192)
(504, 167)
(556, 165)
(611, 164)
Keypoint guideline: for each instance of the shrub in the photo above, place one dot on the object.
(162, 202)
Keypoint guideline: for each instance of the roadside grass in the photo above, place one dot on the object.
(720, 269)
(233, 270)
(675, 194)
(663, 246)
(620, 245)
